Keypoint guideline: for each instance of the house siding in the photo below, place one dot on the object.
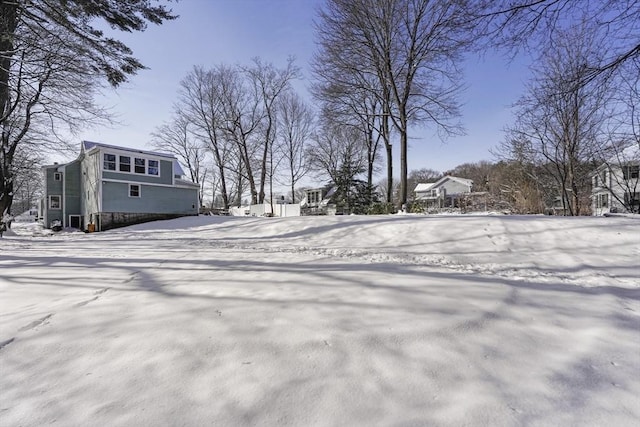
(156, 199)
(166, 175)
(72, 191)
(453, 187)
(611, 182)
(52, 188)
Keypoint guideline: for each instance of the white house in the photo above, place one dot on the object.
(446, 192)
(317, 201)
(615, 185)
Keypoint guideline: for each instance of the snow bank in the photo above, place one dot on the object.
(383, 320)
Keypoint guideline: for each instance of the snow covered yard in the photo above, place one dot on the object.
(388, 320)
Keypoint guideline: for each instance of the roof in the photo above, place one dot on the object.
(88, 145)
(424, 187)
(185, 183)
(431, 185)
(177, 168)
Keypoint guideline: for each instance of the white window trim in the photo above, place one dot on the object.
(139, 191)
(132, 164)
(120, 164)
(57, 176)
(59, 202)
(104, 162)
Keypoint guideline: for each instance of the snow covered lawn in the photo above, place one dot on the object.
(324, 321)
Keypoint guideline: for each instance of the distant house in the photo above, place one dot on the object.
(317, 201)
(446, 192)
(109, 186)
(615, 185)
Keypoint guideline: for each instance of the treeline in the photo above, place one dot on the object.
(381, 68)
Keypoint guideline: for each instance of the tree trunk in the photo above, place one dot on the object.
(8, 22)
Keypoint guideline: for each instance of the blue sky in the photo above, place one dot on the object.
(211, 32)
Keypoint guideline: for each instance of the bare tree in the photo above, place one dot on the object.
(423, 175)
(295, 128)
(413, 48)
(176, 138)
(27, 179)
(269, 83)
(201, 106)
(354, 98)
(620, 155)
(560, 118)
(536, 24)
(335, 147)
(52, 62)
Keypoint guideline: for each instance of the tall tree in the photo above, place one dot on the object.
(269, 84)
(353, 98)
(176, 138)
(413, 48)
(52, 61)
(335, 147)
(200, 102)
(561, 117)
(295, 128)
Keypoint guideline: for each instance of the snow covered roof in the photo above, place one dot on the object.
(424, 187)
(431, 185)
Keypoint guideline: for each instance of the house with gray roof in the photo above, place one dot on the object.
(446, 192)
(109, 186)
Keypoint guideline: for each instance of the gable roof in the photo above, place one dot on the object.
(431, 185)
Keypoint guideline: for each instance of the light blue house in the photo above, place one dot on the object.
(109, 186)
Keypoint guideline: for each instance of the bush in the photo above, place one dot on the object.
(381, 209)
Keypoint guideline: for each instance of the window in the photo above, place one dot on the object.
(313, 197)
(603, 200)
(109, 162)
(55, 202)
(134, 190)
(125, 164)
(153, 167)
(57, 176)
(596, 181)
(631, 198)
(140, 166)
(631, 172)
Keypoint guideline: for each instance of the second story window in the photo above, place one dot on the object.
(57, 176)
(109, 162)
(140, 166)
(631, 172)
(153, 167)
(125, 164)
